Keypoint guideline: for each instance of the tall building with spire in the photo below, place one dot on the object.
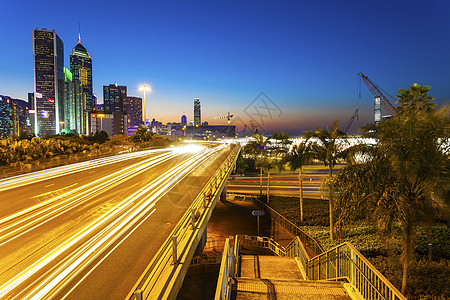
(48, 60)
(81, 69)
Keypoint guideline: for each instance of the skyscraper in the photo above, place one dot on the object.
(5, 122)
(48, 57)
(184, 120)
(197, 112)
(81, 68)
(74, 104)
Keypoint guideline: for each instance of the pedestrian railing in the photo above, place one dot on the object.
(228, 269)
(296, 249)
(308, 242)
(345, 262)
(262, 242)
(207, 259)
(163, 277)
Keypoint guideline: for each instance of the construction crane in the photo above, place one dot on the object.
(379, 98)
(350, 122)
(228, 116)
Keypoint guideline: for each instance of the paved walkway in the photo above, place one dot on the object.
(273, 277)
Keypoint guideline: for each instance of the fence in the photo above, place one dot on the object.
(344, 261)
(310, 244)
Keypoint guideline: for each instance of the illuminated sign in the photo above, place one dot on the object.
(32, 111)
(44, 114)
(51, 100)
(38, 95)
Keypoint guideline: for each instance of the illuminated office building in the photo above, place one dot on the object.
(81, 68)
(75, 115)
(197, 112)
(48, 59)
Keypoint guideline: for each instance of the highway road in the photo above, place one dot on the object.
(88, 230)
(281, 185)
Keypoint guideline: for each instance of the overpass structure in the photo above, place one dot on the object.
(89, 230)
(164, 276)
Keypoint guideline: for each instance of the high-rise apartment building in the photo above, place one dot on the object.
(114, 97)
(48, 58)
(197, 112)
(133, 107)
(81, 68)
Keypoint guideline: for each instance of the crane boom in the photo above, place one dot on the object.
(378, 94)
(350, 122)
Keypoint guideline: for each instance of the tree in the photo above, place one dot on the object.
(404, 172)
(265, 163)
(256, 147)
(299, 156)
(142, 134)
(280, 148)
(327, 147)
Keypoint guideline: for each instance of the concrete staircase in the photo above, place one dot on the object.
(273, 277)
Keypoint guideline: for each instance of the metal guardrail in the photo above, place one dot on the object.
(344, 261)
(296, 249)
(306, 239)
(262, 242)
(228, 269)
(159, 279)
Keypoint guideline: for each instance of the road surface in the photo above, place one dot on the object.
(88, 230)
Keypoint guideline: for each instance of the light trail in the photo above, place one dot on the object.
(58, 269)
(21, 180)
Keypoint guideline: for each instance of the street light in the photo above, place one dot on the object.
(62, 125)
(144, 116)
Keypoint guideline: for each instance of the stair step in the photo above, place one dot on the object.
(261, 266)
(255, 288)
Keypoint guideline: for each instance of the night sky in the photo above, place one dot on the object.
(303, 55)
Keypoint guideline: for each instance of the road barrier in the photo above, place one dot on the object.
(163, 277)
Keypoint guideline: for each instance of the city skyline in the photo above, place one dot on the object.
(303, 57)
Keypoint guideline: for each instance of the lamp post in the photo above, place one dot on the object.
(144, 116)
(62, 125)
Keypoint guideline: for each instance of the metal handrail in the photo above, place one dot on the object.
(346, 261)
(227, 268)
(184, 230)
(306, 239)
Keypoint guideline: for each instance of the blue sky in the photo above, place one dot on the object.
(304, 55)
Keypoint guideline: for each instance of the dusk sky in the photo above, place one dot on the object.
(303, 55)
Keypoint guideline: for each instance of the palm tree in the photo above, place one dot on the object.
(326, 145)
(280, 148)
(267, 164)
(258, 146)
(406, 170)
(299, 156)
